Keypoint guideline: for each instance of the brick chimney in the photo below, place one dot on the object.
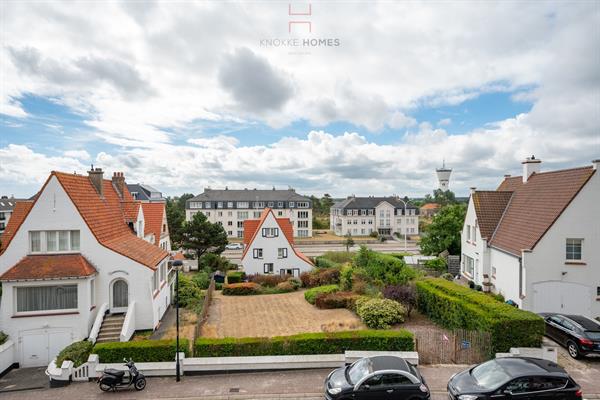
(118, 181)
(595, 163)
(96, 177)
(530, 165)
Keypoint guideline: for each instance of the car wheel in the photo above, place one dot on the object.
(573, 349)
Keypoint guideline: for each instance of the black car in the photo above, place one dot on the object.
(580, 335)
(514, 378)
(376, 378)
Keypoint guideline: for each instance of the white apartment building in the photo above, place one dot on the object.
(7, 205)
(231, 208)
(360, 216)
(536, 239)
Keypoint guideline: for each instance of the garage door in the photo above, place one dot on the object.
(39, 347)
(562, 297)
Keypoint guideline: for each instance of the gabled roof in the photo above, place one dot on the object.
(145, 192)
(353, 202)
(252, 228)
(249, 195)
(19, 214)
(55, 266)
(8, 203)
(489, 207)
(153, 219)
(430, 206)
(535, 206)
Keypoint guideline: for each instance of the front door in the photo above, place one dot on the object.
(120, 297)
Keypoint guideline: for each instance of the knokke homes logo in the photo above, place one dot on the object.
(300, 23)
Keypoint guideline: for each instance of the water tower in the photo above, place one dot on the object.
(443, 175)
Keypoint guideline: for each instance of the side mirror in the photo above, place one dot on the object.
(365, 387)
(507, 392)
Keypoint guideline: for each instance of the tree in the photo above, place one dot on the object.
(176, 217)
(444, 231)
(349, 242)
(202, 236)
(443, 197)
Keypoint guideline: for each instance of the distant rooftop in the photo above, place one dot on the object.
(249, 195)
(143, 192)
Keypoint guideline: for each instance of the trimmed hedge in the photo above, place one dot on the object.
(322, 262)
(336, 300)
(140, 351)
(235, 276)
(311, 294)
(77, 352)
(458, 307)
(379, 313)
(306, 343)
(241, 289)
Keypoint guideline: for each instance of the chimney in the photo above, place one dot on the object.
(118, 181)
(472, 189)
(530, 165)
(595, 163)
(506, 176)
(96, 175)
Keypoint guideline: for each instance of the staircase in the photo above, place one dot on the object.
(110, 331)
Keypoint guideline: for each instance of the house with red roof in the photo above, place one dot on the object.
(536, 239)
(269, 247)
(78, 262)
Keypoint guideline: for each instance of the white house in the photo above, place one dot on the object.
(270, 247)
(536, 239)
(72, 257)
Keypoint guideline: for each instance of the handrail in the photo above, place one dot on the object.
(98, 323)
(128, 324)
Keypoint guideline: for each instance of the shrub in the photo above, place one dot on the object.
(295, 282)
(241, 289)
(201, 279)
(218, 286)
(267, 280)
(306, 343)
(3, 338)
(374, 234)
(383, 268)
(285, 287)
(447, 276)
(213, 262)
(336, 300)
(340, 257)
(235, 276)
(346, 277)
(438, 264)
(77, 352)
(457, 307)
(497, 296)
(322, 262)
(189, 294)
(140, 351)
(380, 313)
(403, 294)
(320, 277)
(311, 294)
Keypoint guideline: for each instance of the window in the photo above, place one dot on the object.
(302, 233)
(220, 213)
(291, 204)
(469, 265)
(257, 214)
(35, 241)
(370, 212)
(468, 232)
(46, 298)
(574, 249)
(240, 234)
(207, 213)
(63, 240)
(280, 204)
(280, 213)
(220, 204)
(163, 270)
(230, 213)
(207, 204)
(92, 293)
(242, 204)
(229, 233)
(74, 240)
(230, 204)
(363, 222)
(302, 214)
(240, 224)
(282, 252)
(271, 204)
(259, 204)
(242, 214)
(195, 204)
(598, 291)
(268, 268)
(474, 234)
(302, 224)
(155, 281)
(51, 244)
(270, 232)
(257, 253)
(396, 380)
(302, 204)
(229, 223)
(520, 385)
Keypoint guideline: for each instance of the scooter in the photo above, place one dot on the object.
(112, 379)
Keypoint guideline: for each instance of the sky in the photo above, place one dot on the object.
(324, 96)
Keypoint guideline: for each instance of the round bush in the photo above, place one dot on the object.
(201, 279)
(311, 294)
(241, 289)
(285, 287)
(380, 313)
(295, 282)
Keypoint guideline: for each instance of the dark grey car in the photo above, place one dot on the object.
(579, 334)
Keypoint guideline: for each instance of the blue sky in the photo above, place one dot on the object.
(183, 96)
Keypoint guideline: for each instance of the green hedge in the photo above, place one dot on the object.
(458, 307)
(322, 262)
(306, 343)
(235, 276)
(311, 294)
(140, 351)
(77, 352)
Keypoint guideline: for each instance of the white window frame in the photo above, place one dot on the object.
(282, 252)
(270, 232)
(257, 253)
(291, 204)
(45, 311)
(268, 268)
(569, 256)
(242, 204)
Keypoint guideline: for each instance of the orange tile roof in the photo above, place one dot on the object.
(105, 218)
(56, 266)
(535, 206)
(250, 226)
(153, 219)
(17, 217)
(430, 206)
(178, 256)
(130, 210)
(489, 208)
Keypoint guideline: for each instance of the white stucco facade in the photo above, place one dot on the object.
(52, 211)
(273, 250)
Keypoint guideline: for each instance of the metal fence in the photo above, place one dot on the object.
(453, 347)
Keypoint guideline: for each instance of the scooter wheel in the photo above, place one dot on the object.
(104, 387)
(140, 384)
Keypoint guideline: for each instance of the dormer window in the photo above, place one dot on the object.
(270, 232)
(53, 241)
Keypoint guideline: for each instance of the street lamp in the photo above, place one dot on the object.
(177, 264)
(405, 221)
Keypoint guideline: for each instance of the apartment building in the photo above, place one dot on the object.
(360, 216)
(7, 205)
(231, 208)
(145, 193)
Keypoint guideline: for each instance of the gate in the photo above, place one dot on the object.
(436, 346)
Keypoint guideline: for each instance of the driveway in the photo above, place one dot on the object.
(273, 315)
(585, 371)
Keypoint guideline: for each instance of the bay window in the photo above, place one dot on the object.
(46, 298)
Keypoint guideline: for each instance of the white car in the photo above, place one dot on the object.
(234, 246)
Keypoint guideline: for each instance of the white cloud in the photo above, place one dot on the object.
(444, 122)
(78, 154)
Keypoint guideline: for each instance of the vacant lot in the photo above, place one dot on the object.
(273, 315)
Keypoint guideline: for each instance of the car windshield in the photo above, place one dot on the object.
(489, 375)
(593, 335)
(359, 369)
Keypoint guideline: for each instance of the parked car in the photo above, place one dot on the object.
(234, 246)
(579, 334)
(374, 378)
(514, 378)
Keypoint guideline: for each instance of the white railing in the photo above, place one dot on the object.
(81, 373)
(128, 324)
(98, 323)
(7, 355)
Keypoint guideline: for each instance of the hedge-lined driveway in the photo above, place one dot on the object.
(273, 315)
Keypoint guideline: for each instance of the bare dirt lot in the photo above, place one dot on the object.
(273, 315)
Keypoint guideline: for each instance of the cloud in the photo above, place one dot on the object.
(444, 122)
(78, 154)
(256, 86)
(400, 120)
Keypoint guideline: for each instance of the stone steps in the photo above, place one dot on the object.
(110, 331)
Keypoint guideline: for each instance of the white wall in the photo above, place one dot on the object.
(547, 261)
(506, 281)
(270, 245)
(7, 355)
(476, 249)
